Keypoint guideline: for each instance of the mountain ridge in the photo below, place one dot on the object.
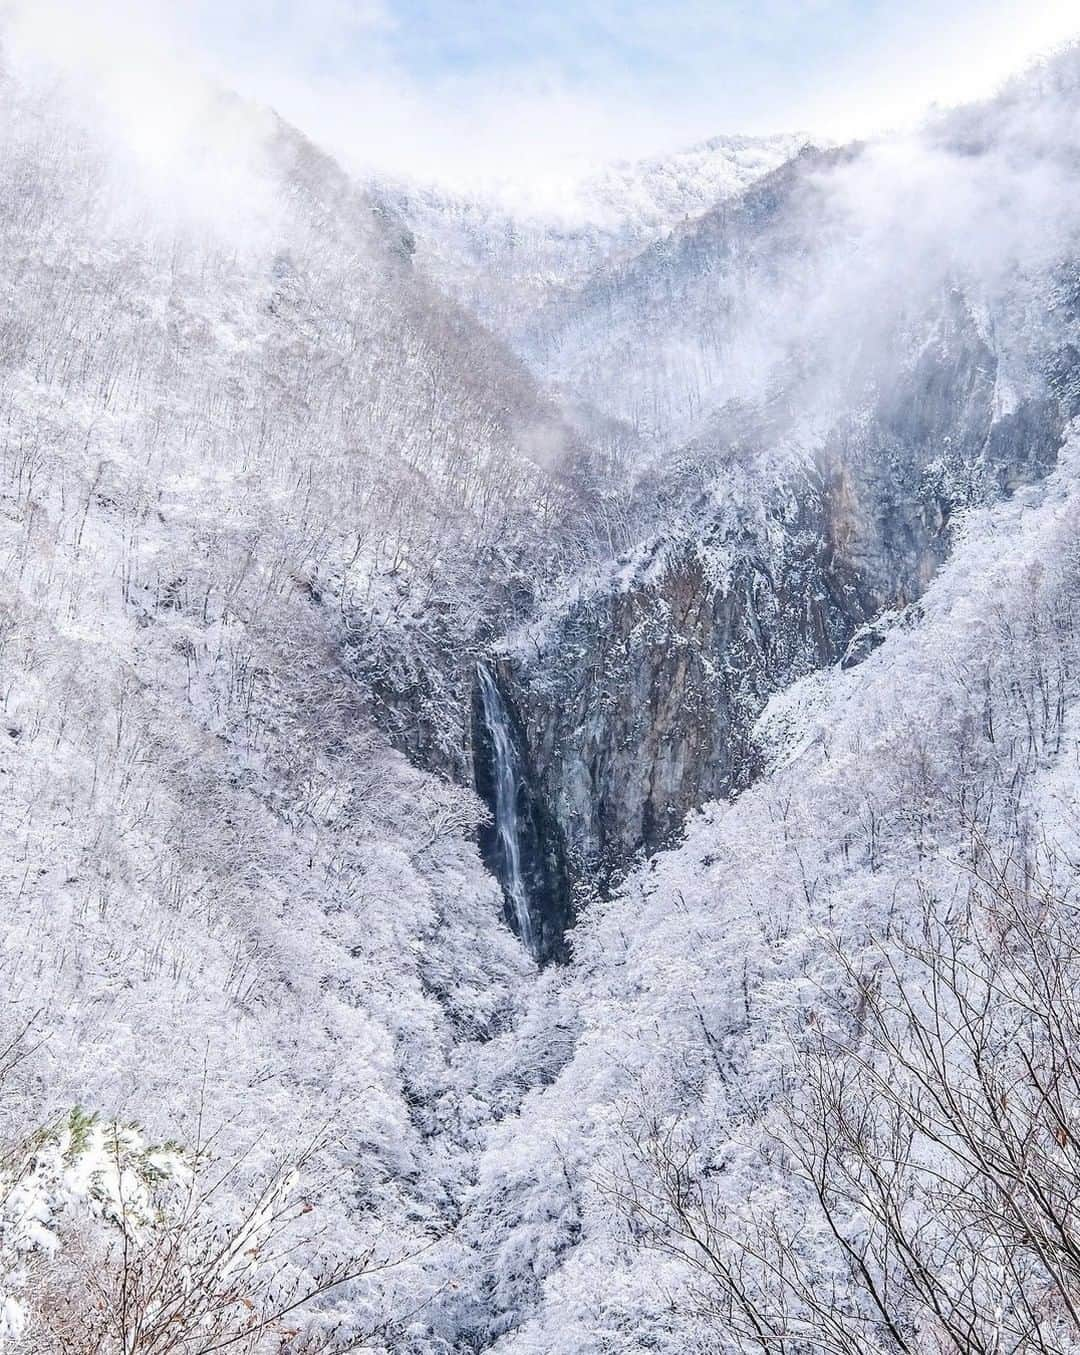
(501, 258)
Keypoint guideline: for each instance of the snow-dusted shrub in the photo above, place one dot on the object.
(109, 1243)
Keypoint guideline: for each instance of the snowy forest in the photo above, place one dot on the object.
(539, 752)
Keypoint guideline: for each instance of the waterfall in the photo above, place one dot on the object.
(507, 785)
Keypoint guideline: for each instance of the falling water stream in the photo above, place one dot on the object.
(507, 784)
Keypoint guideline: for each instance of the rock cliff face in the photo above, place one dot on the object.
(641, 705)
(639, 702)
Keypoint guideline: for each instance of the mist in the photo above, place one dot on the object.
(521, 109)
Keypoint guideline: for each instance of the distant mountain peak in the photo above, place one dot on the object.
(505, 247)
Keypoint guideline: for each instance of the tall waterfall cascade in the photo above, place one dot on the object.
(507, 785)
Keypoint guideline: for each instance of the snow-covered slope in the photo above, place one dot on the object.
(504, 250)
(251, 464)
(815, 257)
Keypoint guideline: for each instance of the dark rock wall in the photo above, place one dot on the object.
(641, 704)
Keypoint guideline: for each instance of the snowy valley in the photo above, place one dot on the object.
(539, 756)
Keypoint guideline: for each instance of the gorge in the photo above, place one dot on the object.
(538, 754)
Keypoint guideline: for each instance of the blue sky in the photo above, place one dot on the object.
(474, 89)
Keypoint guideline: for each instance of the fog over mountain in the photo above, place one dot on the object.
(539, 746)
(506, 251)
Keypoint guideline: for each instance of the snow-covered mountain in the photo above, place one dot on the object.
(539, 754)
(264, 493)
(503, 250)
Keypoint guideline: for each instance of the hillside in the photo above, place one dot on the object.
(502, 251)
(255, 470)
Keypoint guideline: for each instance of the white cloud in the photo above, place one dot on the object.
(647, 78)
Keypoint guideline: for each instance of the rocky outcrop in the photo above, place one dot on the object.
(639, 702)
(641, 708)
